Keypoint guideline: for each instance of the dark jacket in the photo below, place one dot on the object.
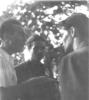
(28, 70)
(74, 76)
(38, 88)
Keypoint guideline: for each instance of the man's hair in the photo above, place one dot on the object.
(39, 41)
(39, 45)
(11, 26)
(80, 22)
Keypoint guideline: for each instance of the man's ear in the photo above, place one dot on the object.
(72, 31)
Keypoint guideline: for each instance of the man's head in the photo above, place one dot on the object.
(13, 36)
(37, 45)
(76, 28)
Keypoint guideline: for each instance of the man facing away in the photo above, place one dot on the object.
(74, 74)
(33, 67)
(35, 85)
(13, 37)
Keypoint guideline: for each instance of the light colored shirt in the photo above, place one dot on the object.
(7, 72)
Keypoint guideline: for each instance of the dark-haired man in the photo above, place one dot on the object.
(33, 84)
(33, 67)
(74, 75)
(13, 36)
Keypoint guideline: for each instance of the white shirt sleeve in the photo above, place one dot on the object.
(7, 73)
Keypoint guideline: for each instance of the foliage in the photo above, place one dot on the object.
(43, 17)
(43, 14)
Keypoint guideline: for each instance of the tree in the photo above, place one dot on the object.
(43, 17)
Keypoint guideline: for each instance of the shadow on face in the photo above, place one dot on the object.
(14, 43)
(67, 39)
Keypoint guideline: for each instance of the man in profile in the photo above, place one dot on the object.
(13, 36)
(74, 75)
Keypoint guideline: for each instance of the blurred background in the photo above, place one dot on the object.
(41, 17)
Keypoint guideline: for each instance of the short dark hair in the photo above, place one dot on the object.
(80, 22)
(10, 26)
(39, 41)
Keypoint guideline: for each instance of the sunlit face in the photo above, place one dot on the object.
(67, 38)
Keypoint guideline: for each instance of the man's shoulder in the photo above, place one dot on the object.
(79, 52)
(2, 53)
(75, 57)
(5, 58)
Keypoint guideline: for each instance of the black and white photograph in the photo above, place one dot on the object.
(44, 50)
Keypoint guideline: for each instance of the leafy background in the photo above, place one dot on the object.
(43, 17)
